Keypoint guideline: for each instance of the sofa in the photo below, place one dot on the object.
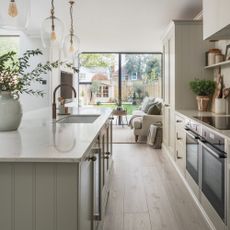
(149, 113)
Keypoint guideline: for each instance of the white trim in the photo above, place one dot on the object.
(207, 219)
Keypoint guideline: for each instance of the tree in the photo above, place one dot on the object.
(97, 60)
(138, 89)
(94, 88)
(134, 65)
(152, 69)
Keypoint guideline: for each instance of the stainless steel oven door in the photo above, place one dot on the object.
(192, 155)
(213, 177)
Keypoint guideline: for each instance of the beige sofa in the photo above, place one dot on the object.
(141, 120)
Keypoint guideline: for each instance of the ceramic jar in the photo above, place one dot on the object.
(219, 57)
(211, 56)
(10, 111)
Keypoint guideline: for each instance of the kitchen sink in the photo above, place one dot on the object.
(79, 119)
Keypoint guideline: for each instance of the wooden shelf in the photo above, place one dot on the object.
(218, 64)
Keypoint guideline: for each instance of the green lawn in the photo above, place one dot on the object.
(128, 107)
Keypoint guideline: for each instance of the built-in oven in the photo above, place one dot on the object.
(192, 150)
(206, 164)
(213, 176)
(192, 155)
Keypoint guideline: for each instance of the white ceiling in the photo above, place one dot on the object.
(118, 25)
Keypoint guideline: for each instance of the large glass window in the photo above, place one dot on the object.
(9, 43)
(109, 79)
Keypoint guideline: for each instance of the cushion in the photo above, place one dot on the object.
(147, 101)
(150, 103)
(144, 103)
(137, 122)
(154, 109)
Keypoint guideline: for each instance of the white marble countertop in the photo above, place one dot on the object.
(40, 139)
(191, 113)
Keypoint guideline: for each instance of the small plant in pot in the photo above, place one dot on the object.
(15, 79)
(204, 89)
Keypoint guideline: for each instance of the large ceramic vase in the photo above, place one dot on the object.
(202, 103)
(10, 112)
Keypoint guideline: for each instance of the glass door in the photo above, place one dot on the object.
(119, 79)
(140, 77)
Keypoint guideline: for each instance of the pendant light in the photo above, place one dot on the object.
(14, 14)
(71, 42)
(52, 29)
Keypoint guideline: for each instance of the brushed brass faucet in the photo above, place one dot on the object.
(54, 107)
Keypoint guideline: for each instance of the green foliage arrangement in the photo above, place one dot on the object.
(203, 87)
(15, 76)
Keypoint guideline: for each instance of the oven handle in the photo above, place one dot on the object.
(191, 134)
(217, 153)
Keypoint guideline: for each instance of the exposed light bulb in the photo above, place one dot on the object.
(53, 36)
(71, 48)
(12, 10)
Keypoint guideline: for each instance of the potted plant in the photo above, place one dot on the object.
(15, 79)
(203, 89)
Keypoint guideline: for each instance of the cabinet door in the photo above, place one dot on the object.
(104, 167)
(166, 126)
(216, 17)
(85, 210)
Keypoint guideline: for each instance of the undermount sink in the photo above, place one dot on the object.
(79, 119)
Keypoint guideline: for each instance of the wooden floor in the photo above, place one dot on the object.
(147, 193)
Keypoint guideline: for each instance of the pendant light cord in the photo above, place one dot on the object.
(71, 21)
(52, 14)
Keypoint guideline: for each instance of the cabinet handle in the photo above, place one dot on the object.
(177, 155)
(108, 153)
(179, 138)
(179, 121)
(93, 158)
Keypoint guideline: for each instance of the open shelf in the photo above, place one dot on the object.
(218, 64)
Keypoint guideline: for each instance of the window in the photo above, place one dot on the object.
(134, 77)
(120, 77)
(105, 91)
(9, 43)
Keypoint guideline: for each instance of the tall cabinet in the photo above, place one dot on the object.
(184, 60)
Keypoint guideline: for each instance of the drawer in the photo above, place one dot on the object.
(180, 149)
(180, 121)
(180, 134)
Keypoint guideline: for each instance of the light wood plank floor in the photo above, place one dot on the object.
(147, 193)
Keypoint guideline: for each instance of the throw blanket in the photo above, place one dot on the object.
(155, 135)
(132, 118)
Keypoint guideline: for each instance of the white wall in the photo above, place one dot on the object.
(32, 102)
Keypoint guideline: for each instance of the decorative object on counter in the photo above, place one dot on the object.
(203, 89)
(211, 56)
(220, 105)
(227, 53)
(14, 14)
(52, 30)
(15, 80)
(71, 42)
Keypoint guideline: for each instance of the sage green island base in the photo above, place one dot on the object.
(59, 177)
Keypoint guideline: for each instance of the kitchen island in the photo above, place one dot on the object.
(55, 175)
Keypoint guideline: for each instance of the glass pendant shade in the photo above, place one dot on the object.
(71, 46)
(14, 14)
(52, 32)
